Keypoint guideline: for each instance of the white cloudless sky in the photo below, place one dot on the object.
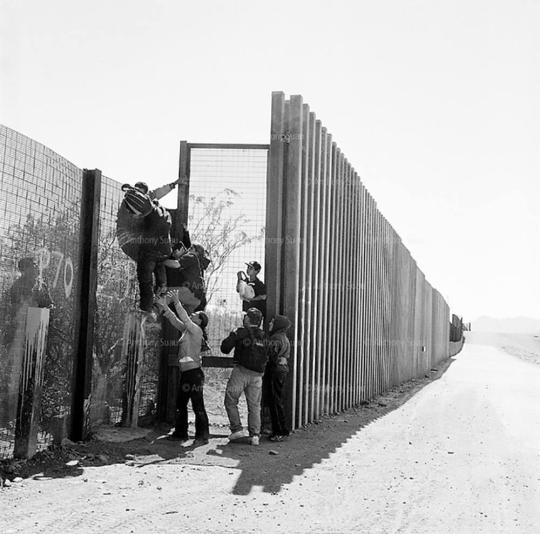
(435, 103)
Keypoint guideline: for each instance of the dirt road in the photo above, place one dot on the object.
(462, 455)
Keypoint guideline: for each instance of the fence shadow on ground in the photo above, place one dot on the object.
(311, 445)
(258, 466)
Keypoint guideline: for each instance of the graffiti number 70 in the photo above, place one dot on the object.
(44, 257)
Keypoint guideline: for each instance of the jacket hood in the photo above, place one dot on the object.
(204, 260)
(281, 323)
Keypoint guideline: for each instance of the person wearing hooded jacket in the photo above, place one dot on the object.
(275, 375)
(189, 278)
(142, 230)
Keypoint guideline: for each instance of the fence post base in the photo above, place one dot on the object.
(31, 377)
(133, 356)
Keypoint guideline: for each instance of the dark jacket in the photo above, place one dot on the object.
(250, 348)
(279, 347)
(137, 234)
(190, 275)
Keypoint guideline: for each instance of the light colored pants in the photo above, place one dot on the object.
(243, 380)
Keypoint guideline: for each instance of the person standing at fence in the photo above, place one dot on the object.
(191, 374)
(143, 233)
(258, 287)
(250, 357)
(277, 368)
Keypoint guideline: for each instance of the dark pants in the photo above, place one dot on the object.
(191, 387)
(149, 263)
(274, 390)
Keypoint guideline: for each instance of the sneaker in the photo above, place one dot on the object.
(176, 437)
(254, 440)
(276, 437)
(239, 434)
(200, 441)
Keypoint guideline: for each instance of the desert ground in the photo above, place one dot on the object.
(455, 452)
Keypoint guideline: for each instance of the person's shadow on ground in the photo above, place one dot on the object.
(272, 465)
(269, 465)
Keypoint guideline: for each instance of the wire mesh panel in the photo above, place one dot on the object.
(117, 295)
(227, 215)
(227, 212)
(39, 224)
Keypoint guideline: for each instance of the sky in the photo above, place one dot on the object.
(435, 104)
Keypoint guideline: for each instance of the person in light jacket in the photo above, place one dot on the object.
(191, 384)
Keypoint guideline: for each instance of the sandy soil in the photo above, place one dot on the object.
(458, 454)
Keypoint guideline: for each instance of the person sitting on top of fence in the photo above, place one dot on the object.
(252, 290)
(142, 230)
(188, 280)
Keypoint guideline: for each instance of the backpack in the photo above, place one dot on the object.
(256, 351)
(138, 203)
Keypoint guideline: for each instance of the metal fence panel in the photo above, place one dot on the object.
(39, 219)
(373, 320)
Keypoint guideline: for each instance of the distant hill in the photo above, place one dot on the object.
(514, 325)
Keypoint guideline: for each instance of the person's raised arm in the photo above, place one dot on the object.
(171, 317)
(160, 192)
(180, 311)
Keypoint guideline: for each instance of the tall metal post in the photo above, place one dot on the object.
(85, 299)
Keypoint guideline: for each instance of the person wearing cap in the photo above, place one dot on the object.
(275, 374)
(193, 328)
(259, 288)
(142, 230)
(250, 357)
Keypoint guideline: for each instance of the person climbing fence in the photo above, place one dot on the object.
(188, 279)
(143, 233)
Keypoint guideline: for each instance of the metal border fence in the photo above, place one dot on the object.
(364, 317)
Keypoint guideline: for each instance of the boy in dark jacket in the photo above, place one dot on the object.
(189, 278)
(142, 230)
(279, 351)
(250, 356)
